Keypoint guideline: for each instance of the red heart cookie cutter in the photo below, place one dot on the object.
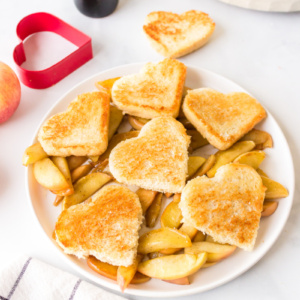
(46, 22)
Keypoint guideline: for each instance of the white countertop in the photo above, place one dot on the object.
(259, 51)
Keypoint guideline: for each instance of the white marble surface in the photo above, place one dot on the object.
(260, 51)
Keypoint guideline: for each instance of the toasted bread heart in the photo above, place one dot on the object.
(155, 91)
(175, 35)
(105, 226)
(222, 118)
(155, 160)
(228, 206)
(81, 130)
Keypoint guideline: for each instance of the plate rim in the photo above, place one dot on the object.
(102, 281)
(268, 5)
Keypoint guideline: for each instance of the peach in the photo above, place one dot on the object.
(10, 92)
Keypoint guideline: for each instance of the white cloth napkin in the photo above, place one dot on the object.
(29, 278)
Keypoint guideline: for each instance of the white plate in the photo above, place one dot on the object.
(267, 5)
(278, 165)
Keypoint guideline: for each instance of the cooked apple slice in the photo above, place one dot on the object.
(139, 278)
(199, 237)
(208, 264)
(274, 190)
(146, 198)
(172, 216)
(261, 138)
(173, 266)
(261, 172)
(181, 281)
(33, 154)
(106, 84)
(86, 187)
(153, 211)
(194, 163)
(215, 257)
(80, 172)
(224, 157)
(110, 271)
(49, 176)
(209, 247)
(125, 274)
(168, 195)
(210, 239)
(142, 120)
(252, 158)
(177, 198)
(102, 268)
(269, 208)
(162, 238)
(197, 140)
(155, 254)
(94, 158)
(58, 200)
(115, 119)
(135, 123)
(63, 167)
(215, 251)
(189, 230)
(100, 166)
(63, 193)
(205, 167)
(186, 229)
(169, 251)
(76, 161)
(116, 139)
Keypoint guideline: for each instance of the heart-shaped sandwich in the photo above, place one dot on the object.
(105, 226)
(155, 160)
(81, 130)
(155, 91)
(228, 206)
(174, 35)
(222, 118)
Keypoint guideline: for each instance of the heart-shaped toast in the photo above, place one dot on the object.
(105, 226)
(222, 118)
(174, 35)
(155, 91)
(81, 130)
(228, 206)
(155, 160)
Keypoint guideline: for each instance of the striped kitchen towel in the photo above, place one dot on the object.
(28, 278)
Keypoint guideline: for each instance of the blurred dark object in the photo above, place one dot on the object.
(96, 8)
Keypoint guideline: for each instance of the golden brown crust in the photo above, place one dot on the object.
(222, 119)
(175, 35)
(155, 160)
(105, 226)
(81, 130)
(155, 91)
(228, 206)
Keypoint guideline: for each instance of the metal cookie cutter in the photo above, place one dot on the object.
(46, 22)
